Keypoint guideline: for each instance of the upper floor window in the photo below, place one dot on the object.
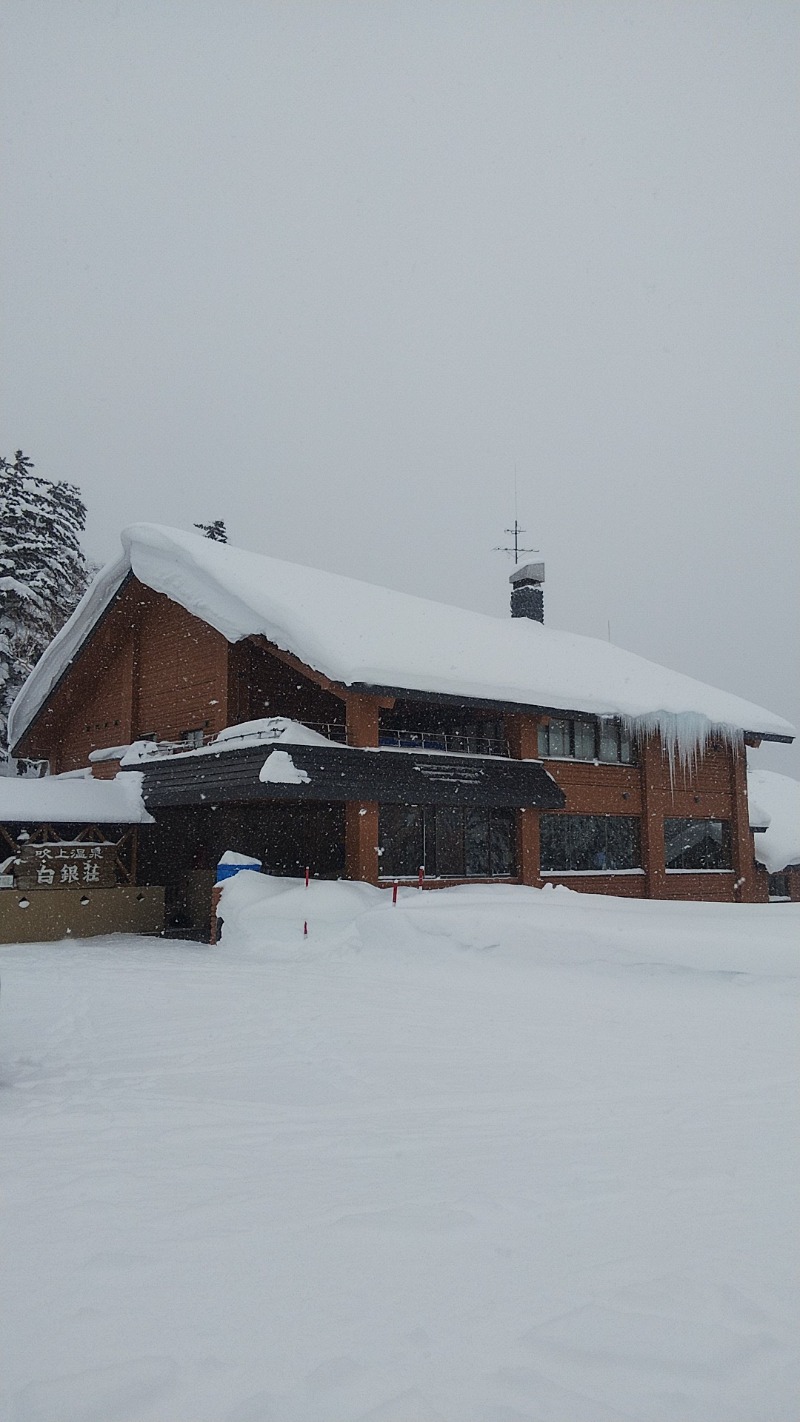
(584, 738)
(697, 844)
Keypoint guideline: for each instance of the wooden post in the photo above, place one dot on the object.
(523, 742)
(361, 840)
(362, 720)
(653, 805)
(361, 816)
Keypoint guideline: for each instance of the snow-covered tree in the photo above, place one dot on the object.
(43, 571)
(216, 531)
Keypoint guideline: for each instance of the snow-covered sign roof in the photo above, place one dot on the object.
(361, 635)
(57, 799)
(775, 801)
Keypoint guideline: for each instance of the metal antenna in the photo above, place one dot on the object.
(515, 532)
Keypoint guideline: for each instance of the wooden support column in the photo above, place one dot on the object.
(362, 719)
(361, 816)
(361, 840)
(749, 885)
(653, 806)
(523, 742)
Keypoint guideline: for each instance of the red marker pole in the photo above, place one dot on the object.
(421, 878)
(307, 876)
(305, 928)
(394, 892)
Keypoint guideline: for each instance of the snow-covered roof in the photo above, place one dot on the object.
(57, 799)
(775, 801)
(358, 634)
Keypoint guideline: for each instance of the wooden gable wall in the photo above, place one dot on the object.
(149, 667)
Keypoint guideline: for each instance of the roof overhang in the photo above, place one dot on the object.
(510, 708)
(342, 773)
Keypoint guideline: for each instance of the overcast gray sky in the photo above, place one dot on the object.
(329, 271)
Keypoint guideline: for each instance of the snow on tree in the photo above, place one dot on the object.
(216, 531)
(43, 572)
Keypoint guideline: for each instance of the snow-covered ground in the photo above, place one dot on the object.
(492, 1155)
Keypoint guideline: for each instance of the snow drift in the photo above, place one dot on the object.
(490, 1154)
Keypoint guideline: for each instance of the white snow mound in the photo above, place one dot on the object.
(490, 1154)
(777, 798)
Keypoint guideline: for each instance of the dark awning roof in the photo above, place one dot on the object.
(342, 773)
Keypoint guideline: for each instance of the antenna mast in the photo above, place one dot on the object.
(515, 531)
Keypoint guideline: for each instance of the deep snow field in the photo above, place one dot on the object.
(493, 1155)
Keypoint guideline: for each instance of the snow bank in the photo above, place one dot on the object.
(488, 1156)
(265, 916)
(778, 798)
(80, 800)
(359, 634)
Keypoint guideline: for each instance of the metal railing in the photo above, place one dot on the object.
(451, 742)
(461, 742)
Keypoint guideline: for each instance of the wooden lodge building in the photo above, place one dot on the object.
(309, 719)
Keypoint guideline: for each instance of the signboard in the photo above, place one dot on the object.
(66, 866)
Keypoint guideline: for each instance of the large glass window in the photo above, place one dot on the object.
(401, 839)
(697, 844)
(589, 842)
(580, 738)
(450, 841)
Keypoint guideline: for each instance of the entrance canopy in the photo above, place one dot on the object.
(342, 773)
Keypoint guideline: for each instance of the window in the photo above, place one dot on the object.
(557, 739)
(779, 886)
(580, 738)
(609, 747)
(192, 738)
(589, 843)
(697, 844)
(401, 840)
(451, 841)
(583, 740)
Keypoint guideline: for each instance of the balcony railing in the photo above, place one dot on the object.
(459, 742)
(453, 742)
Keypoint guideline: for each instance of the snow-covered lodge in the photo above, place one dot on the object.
(313, 720)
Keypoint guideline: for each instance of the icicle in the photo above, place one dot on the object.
(684, 735)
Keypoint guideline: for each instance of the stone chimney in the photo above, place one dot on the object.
(527, 596)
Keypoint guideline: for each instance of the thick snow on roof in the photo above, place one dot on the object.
(359, 634)
(775, 799)
(59, 800)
